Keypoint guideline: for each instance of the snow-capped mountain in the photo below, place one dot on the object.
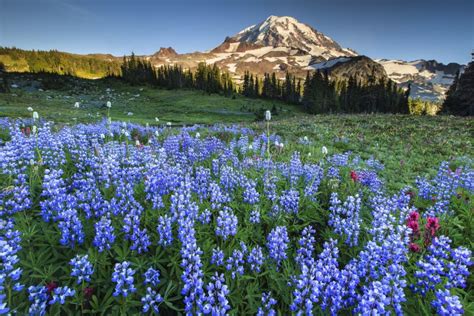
(277, 44)
(288, 32)
(280, 44)
(429, 79)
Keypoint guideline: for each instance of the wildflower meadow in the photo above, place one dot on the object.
(117, 218)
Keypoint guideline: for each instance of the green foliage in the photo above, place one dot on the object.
(421, 107)
(403, 137)
(57, 62)
(138, 71)
(146, 102)
(460, 96)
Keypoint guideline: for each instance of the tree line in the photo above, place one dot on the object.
(320, 94)
(269, 87)
(208, 78)
(460, 96)
(53, 61)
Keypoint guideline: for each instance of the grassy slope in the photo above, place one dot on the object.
(407, 145)
(178, 106)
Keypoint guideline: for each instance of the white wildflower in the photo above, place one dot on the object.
(268, 115)
(324, 150)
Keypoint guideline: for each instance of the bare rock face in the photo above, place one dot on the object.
(166, 52)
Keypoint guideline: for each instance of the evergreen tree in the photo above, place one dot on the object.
(460, 96)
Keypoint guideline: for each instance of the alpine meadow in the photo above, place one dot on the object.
(269, 171)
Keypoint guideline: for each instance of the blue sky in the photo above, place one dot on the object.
(409, 30)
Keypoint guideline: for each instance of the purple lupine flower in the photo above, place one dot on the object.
(250, 194)
(217, 257)
(226, 224)
(458, 268)
(295, 169)
(289, 201)
(71, 228)
(82, 269)
(205, 217)
(151, 300)
(370, 179)
(277, 244)
(447, 304)
(255, 216)
(10, 245)
(60, 294)
(216, 302)
(269, 186)
(255, 259)
(345, 218)
(317, 280)
(333, 173)
(104, 234)
(164, 230)
(123, 277)
(201, 181)
(152, 277)
(217, 196)
(304, 254)
(266, 309)
(432, 267)
(373, 300)
(442, 265)
(39, 297)
(236, 261)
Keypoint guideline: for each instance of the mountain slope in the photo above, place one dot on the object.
(277, 44)
(286, 31)
(280, 45)
(429, 79)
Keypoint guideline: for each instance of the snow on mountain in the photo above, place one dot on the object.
(282, 43)
(327, 64)
(429, 80)
(286, 31)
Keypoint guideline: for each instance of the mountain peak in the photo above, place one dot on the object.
(286, 31)
(166, 52)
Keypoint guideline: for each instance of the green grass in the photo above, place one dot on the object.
(408, 146)
(177, 106)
